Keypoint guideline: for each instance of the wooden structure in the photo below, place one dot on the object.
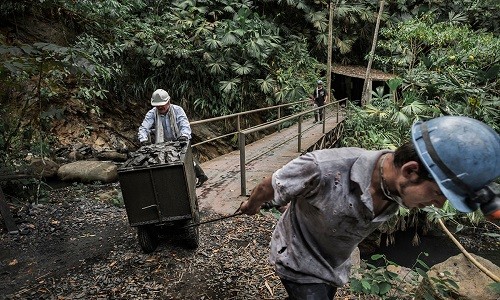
(348, 81)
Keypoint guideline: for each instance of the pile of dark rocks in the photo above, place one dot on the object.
(155, 154)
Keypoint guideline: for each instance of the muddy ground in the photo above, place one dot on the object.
(74, 246)
(76, 243)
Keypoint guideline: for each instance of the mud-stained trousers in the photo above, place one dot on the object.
(308, 291)
(199, 173)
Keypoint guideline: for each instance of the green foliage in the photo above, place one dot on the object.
(495, 287)
(274, 212)
(446, 63)
(481, 15)
(449, 213)
(386, 284)
(385, 122)
(214, 57)
(217, 54)
(376, 281)
(51, 67)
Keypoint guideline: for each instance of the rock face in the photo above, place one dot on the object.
(45, 167)
(88, 171)
(111, 155)
(472, 282)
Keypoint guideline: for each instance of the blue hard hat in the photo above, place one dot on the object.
(462, 154)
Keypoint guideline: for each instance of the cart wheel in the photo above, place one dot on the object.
(148, 238)
(192, 234)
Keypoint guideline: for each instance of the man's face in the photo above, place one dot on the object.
(421, 193)
(164, 108)
(320, 86)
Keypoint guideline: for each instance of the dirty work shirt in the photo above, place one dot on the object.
(149, 123)
(330, 212)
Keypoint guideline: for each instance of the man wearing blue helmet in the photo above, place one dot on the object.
(463, 157)
(337, 197)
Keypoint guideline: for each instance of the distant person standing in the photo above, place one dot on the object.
(170, 123)
(319, 97)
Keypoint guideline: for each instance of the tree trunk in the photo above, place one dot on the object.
(329, 62)
(365, 97)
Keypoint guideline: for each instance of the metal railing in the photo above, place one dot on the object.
(242, 133)
(238, 116)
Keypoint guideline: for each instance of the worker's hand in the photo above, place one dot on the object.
(249, 207)
(261, 194)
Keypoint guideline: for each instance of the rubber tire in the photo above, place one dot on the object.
(148, 238)
(192, 234)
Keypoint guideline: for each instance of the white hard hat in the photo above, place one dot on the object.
(160, 97)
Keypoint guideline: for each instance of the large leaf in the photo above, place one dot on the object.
(244, 69)
(216, 67)
(213, 43)
(229, 86)
(229, 39)
(492, 72)
(266, 85)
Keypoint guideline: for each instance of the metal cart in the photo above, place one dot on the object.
(161, 198)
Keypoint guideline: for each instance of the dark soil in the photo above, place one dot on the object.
(74, 246)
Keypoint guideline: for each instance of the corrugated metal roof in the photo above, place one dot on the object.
(360, 72)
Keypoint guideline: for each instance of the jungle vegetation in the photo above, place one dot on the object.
(221, 57)
(224, 56)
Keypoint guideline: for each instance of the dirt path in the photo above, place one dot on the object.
(76, 247)
(59, 235)
(73, 246)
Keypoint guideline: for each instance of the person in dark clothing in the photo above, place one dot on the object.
(319, 97)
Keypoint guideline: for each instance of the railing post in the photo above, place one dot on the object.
(241, 142)
(324, 119)
(238, 126)
(279, 116)
(338, 108)
(299, 135)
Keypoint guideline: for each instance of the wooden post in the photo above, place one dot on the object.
(299, 135)
(243, 178)
(329, 61)
(279, 117)
(365, 94)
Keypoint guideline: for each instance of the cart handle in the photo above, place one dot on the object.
(214, 220)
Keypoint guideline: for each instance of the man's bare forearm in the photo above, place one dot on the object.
(261, 194)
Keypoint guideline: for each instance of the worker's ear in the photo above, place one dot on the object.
(410, 170)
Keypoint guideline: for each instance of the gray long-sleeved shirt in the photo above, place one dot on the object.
(149, 123)
(330, 213)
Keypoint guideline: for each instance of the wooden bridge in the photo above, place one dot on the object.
(224, 191)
